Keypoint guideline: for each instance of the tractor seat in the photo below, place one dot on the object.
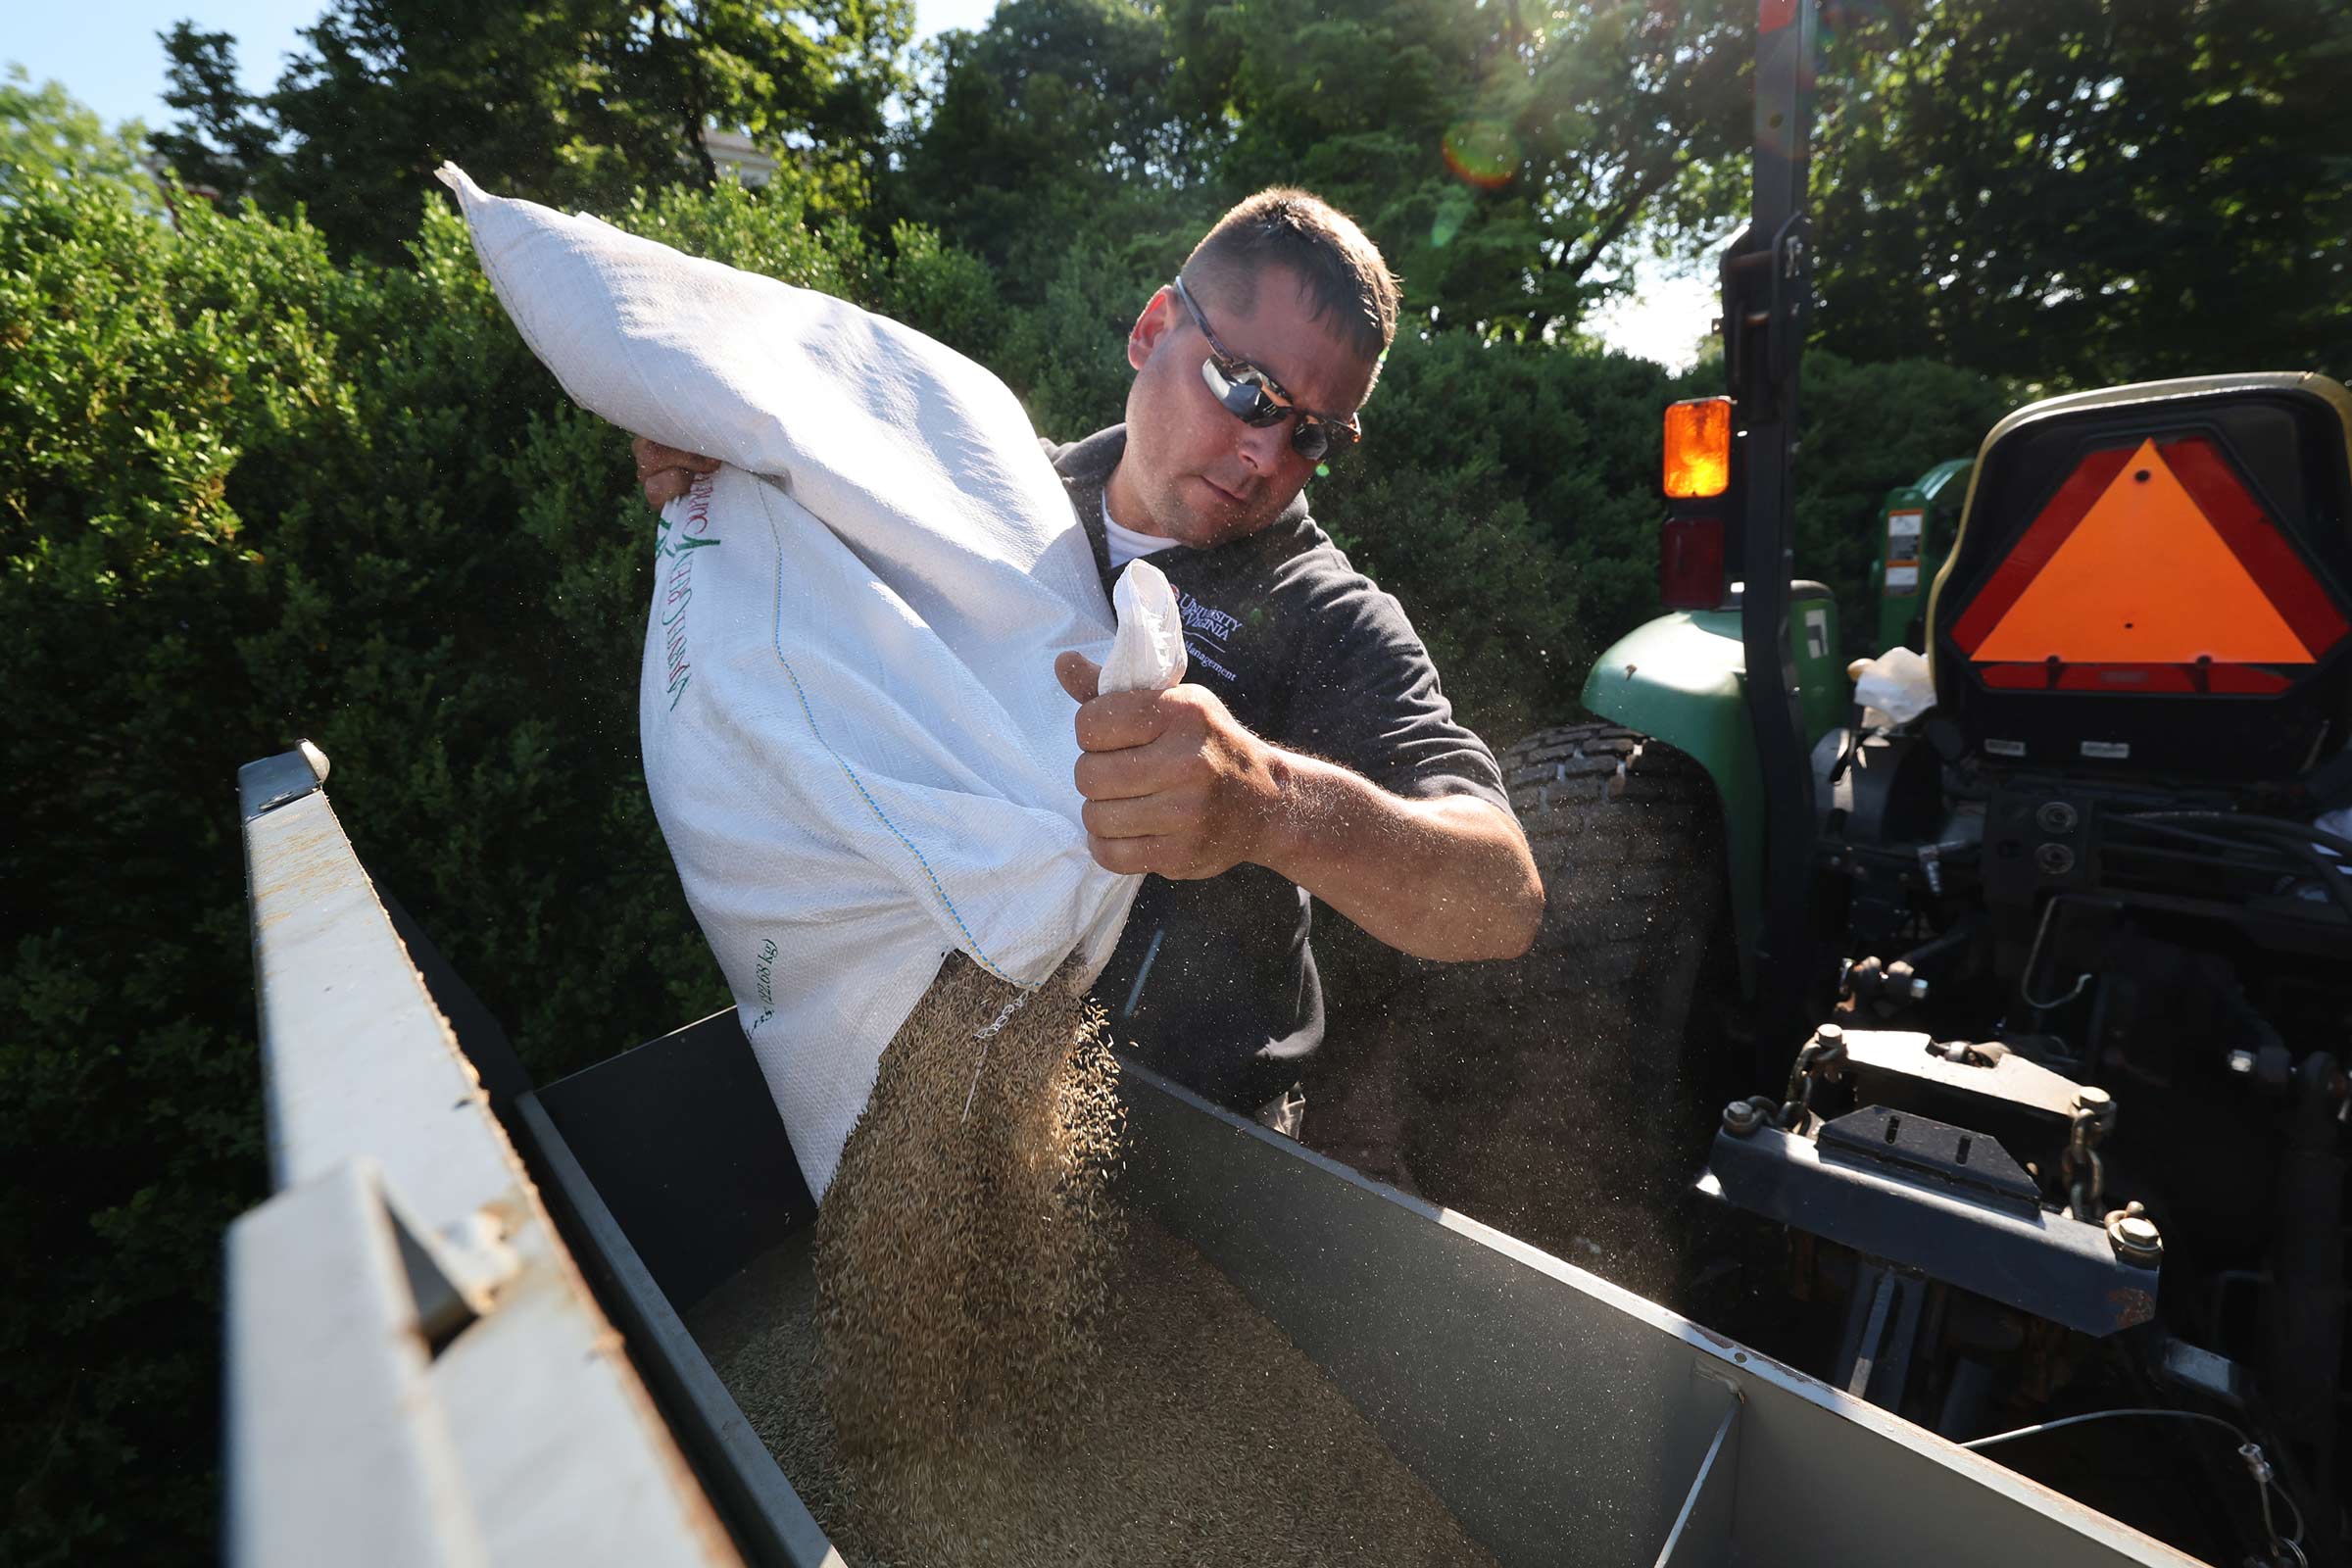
(2152, 579)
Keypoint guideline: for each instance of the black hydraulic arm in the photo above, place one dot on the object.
(1767, 297)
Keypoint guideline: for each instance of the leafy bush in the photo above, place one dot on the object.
(1496, 496)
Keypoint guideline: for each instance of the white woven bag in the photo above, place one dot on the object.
(854, 742)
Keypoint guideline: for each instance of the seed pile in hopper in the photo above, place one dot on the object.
(978, 1361)
(1203, 1435)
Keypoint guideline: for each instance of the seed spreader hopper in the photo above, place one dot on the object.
(456, 1332)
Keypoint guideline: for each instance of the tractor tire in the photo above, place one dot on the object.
(1628, 835)
(1567, 1096)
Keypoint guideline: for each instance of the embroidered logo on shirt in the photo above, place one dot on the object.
(1214, 628)
(1197, 616)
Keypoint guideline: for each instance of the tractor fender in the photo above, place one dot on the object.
(1681, 679)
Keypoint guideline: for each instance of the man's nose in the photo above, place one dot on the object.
(1262, 445)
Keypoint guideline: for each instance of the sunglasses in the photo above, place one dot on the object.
(1256, 398)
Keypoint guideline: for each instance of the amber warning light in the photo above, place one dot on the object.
(1691, 564)
(1698, 449)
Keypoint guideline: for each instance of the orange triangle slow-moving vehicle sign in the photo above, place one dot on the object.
(2143, 578)
(2152, 569)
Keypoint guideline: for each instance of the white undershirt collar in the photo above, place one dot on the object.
(1123, 545)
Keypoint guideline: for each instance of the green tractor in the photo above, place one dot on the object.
(1919, 520)
(2017, 1011)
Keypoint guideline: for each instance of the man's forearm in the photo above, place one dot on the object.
(1448, 878)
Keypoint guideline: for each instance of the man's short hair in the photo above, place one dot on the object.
(1345, 280)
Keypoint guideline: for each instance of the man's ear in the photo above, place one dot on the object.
(1158, 320)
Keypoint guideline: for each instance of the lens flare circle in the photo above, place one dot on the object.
(1482, 152)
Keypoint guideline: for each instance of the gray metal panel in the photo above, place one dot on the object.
(327, 1378)
(356, 1057)
(561, 1454)
(683, 1141)
(1559, 1417)
(770, 1521)
(1551, 1428)
(1825, 1479)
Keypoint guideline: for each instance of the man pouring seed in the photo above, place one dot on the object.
(1310, 751)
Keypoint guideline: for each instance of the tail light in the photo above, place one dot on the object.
(1698, 449)
(1698, 470)
(1690, 562)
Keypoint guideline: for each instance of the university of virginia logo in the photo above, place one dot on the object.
(1207, 633)
(677, 546)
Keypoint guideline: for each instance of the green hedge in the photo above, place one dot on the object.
(252, 495)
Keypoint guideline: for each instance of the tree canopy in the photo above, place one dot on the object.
(2074, 192)
(2059, 193)
(571, 101)
(1510, 159)
(1507, 155)
(47, 136)
(1058, 119)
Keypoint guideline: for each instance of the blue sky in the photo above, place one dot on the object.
(109, 55)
